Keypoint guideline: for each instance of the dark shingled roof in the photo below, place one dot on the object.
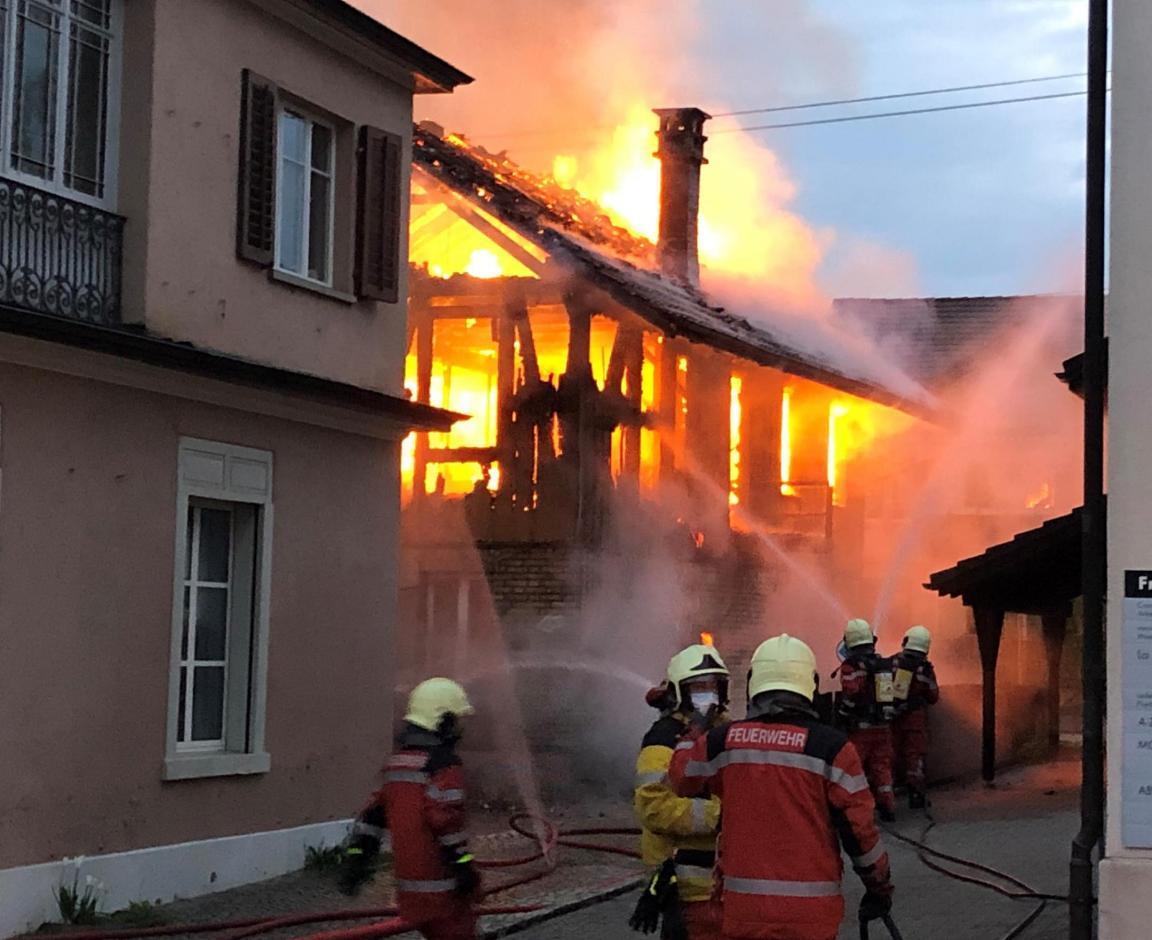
(941, 338)
(577, 233)
(1037, 571)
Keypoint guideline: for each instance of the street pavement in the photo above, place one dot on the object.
(1023, 826)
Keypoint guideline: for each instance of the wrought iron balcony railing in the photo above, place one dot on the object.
(58, 256)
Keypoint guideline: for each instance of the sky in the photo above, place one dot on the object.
(985, 201)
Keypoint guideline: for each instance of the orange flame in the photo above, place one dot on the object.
(706, 638)
(735, 422)
(786, 442)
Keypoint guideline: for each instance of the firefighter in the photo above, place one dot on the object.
(422, 803)
(794, 793)
(678, 837)
(865, 708)
(914, 688)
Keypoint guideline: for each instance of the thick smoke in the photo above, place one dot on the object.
(576, 81)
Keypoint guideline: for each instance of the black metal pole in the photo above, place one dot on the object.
(1093, 544)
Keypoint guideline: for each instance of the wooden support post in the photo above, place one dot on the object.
(763, 395)
(505, 331)
(989, 628)
(626, 336)
(1055, 624)
(579, 362)
(666, 406)
(708, 437)
(635, 372)
(517, 310)
(423, 327)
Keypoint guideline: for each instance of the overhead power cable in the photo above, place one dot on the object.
(539, 132)
(888, 114)
(902, 94)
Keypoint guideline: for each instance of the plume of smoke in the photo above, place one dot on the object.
(576, 80)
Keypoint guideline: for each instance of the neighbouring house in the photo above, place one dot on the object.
(203, 228)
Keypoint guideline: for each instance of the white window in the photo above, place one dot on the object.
(58, 103)
(304, 204)
(220, 636)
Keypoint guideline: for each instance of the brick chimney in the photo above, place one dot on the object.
(680, 150)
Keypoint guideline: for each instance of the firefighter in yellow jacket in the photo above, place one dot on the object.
(679, 834)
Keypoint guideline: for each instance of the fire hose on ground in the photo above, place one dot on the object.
(547, 838)
(1022, 892)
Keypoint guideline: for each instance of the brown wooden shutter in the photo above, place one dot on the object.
(379, 206)
(256, 212)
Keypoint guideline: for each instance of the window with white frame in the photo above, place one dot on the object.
(304, 208)
(57, 93)
(216, 698)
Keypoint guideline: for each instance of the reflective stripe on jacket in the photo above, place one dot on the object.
(793, 792)
(670, 823)
(423, 796)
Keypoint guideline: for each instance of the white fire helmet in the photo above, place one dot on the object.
(917, 639)
(434, 698)
(693, 662)
(783, 664)
(858, 632)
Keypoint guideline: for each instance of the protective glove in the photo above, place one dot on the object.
(466, 875)
(358, 863)
(700, 724)
(654, 899)
(673, 927)
(875, 905)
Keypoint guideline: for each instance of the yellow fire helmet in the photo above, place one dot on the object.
(783, 664)
(693, 662)
(434, 698)
(917, 639)
(858, 632)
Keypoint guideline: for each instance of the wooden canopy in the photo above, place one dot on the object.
(1037, 572)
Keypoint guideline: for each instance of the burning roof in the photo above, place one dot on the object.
(576, 234)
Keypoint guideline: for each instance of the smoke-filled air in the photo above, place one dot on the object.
(876, 491)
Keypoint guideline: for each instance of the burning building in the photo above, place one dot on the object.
(603, 384)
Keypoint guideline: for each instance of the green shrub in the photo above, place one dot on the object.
(323, 858)
(80, 906)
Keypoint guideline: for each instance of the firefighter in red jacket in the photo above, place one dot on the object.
(422, 803)
(914, 688)
(865, 708)
(793, 793)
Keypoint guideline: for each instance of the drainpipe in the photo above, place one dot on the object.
(1093, 539)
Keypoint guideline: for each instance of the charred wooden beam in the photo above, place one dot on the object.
(423, 327)
(666, 406)
(760, 442)
(505, 391)
(481, 455)
(707, 427)
(517, 311)
(471, 214)
(628, 338)
(580, 313)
